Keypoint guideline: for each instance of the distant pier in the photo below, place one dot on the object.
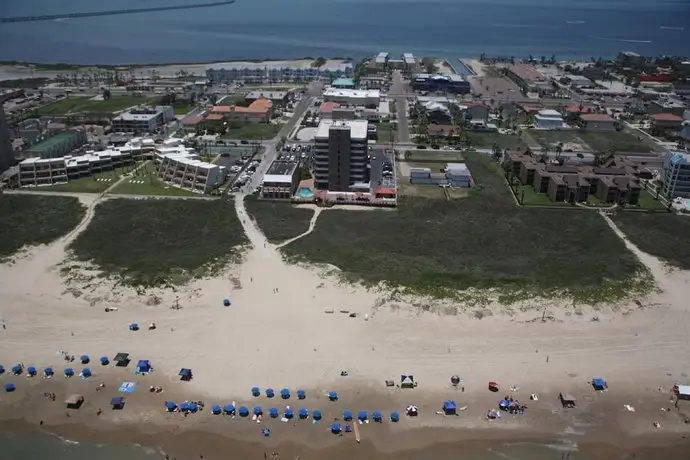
(51, 17)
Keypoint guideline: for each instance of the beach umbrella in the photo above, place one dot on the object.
(316, 415)
(192, 406)
(332, 395)
(273, 412)
(117, 402)
(301, 394)
(258, 410)
(31, 370)
(2, 369)
(362, 415)
(335, 427)
(243, 411)
(104, 360)
(17, 369)
(376, 415)
(256, 392)
(289, 413)
(215, 409)
(285, 393)
(265, 431)
(134, 327)
(9, 387)
(85, 373)
(347, 415)
(84, 359)
(48, 371)
(226, 302)
(229, 409)
(170, 406)
(69, 372)
(303, 413)
(503, 404)
(270, 393)
(395, 417)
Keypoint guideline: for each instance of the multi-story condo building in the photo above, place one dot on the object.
(143, 119)
(6, 151)
(676, 175)
(340, 154)
(57, 145)
(183, 169)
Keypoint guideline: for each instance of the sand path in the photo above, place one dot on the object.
(312, 226)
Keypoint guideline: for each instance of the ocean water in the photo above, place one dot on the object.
(346, 28)
(36, 446)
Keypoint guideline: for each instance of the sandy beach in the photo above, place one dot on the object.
(277, 333)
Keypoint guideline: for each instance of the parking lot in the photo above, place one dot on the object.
(380, 175)
(495, 87)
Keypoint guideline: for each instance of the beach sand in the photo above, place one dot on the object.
(277, 334)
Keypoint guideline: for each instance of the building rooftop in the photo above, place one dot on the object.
(596, 117)
(526, 72)
(343, 82)
(48, 143)
(214, 117)
(358, 128)
(189, 159)
(352, 93)
(280, 172)
(258, 106)
(327, 107)
(665, 117)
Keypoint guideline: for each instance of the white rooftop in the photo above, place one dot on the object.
(358, 128)
(189, 159)
(353, 93)
(278, 178)
(550, 113)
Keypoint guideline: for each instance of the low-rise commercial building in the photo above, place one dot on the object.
(280, 180)
(675, 175)
(278, 98)
(262, 72)
(452, 83)
(672, 106)
(598, 122)
(340, 154)
(57, 145)
(381, 59)
(184, 170)
(343, 83)
(258, 111)
(665, 121)
(365, 97)
(549, 119)
(526, 76)
(143, 119)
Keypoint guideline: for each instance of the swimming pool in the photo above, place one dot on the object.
(305, 192)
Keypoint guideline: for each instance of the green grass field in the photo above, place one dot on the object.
(432, 156)
(487, 140)
(160, 242)
(437, 247)
(253, 131)
(29, 220)
(619, 141)
(279, 221)
(663, 235)
(92, 184)
(146, 182)
(74, 104)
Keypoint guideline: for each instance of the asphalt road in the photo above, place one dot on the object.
(399, 88)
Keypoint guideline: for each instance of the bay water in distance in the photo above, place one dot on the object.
(256, 29)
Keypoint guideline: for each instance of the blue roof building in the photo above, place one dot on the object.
(343, 83)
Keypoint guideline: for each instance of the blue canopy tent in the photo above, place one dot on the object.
(243, 411)
(256, 392)
(376, 416)
(69, 372)
(265, 431)
(362, 415)
(332, 396)
(48, 372)
(285, 393)
(170, 406)
(31, 370)
(84, 359)
(503, 404)
(85, 373)
(273, 412)
(118, 402)
(449, 407)
(289, 413)
(270, 393)
(229, 409)
(395, 417)
(347, 415)
(335, 427)
(226, 302)
(301, 394)
(599, 384)
(185, 374)
(134, 327)
(2, 369)
(17, 369)
(9, 387)
(258, 410)
(143, 366)
(316, 415)
(104, 360)
(303, 413)
(189, 407)
(215, 409)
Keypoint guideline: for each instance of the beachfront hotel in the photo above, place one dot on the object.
(340, 154)
(262, 72)
(365, 97)
(143, 119)
(181, 168)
